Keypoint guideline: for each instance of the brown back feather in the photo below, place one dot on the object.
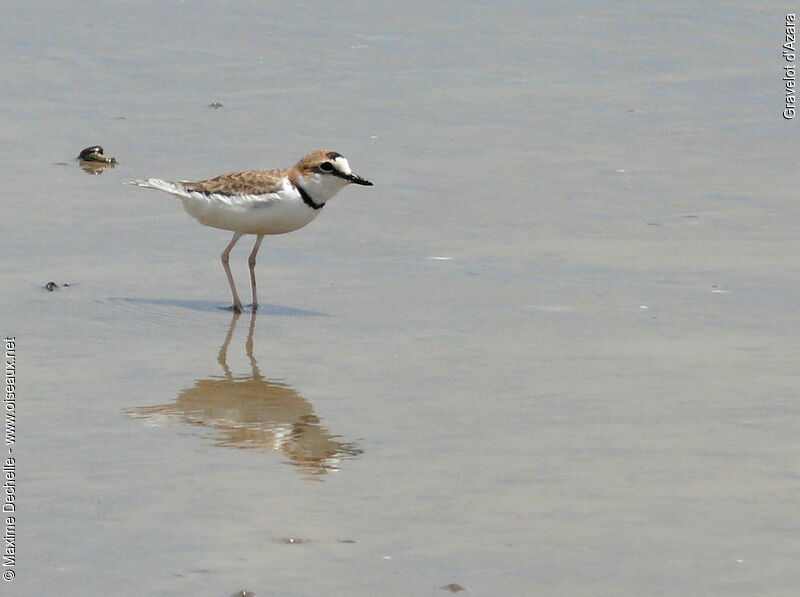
(250, 182)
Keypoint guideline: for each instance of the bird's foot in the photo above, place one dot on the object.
(253, 307)
(236, 308)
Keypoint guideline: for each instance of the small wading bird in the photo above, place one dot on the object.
(261, 202)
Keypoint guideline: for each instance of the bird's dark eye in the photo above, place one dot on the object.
(326, 167)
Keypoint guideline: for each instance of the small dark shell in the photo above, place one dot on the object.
(95, 154)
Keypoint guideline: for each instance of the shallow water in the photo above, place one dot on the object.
(551, 352)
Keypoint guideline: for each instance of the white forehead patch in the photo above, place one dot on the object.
(342, 165)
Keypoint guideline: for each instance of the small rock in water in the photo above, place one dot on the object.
(95, 154)
(215, 105)
(453, 587)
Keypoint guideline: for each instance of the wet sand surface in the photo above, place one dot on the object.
(553, 351)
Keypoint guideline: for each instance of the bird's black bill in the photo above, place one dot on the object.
(354, 178)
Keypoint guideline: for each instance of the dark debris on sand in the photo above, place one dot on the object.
(51, 286)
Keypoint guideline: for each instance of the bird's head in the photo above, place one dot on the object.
(323, 173)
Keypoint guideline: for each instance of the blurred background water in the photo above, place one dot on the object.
(551, 352)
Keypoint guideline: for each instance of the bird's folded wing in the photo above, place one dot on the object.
(251, 182)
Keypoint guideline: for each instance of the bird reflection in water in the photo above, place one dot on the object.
(252, 412)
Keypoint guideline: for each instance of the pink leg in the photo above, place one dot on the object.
(237, 304)
(251, 261)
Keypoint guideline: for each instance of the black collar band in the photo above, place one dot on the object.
(307, 198)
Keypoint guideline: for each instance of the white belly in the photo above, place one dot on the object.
(251, 214)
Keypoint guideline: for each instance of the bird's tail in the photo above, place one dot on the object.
(174, 188)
